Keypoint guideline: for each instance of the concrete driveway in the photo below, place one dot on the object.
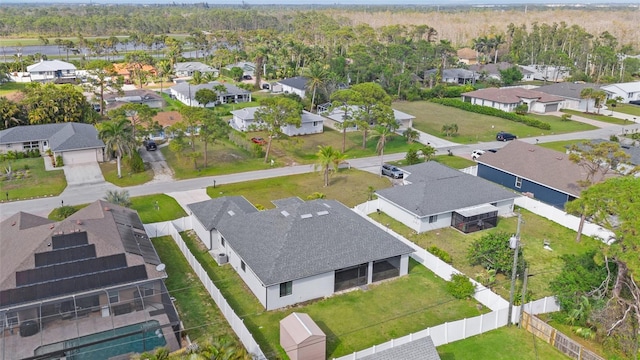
(161, 171)
(82, 174)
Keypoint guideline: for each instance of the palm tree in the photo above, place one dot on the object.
(118, 137)
(497, 41)
(383, 131)
(328, 157)
(317, 75)
(164, 69)
(411, 135)
(118, 197)
(587, 93)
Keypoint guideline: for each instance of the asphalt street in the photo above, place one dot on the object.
(85, 193)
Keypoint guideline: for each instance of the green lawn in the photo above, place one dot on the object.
(110, 173)
(11, 87)
(352, 321)
(349, 186)
(198, 312)
(474, 128)
(543, 264)
(455, 162)
(157, 208)
(560, 145)
(604, 116)
(61, 213)
(30, 180)
(628, 109)
(505, 343)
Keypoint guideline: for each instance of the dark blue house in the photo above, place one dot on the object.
(544, 174)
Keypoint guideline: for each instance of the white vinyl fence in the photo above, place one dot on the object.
(172, 228)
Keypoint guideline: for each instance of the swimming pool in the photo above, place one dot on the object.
(135, 338)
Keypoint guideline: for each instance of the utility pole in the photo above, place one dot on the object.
(514, 243)
(524, 295)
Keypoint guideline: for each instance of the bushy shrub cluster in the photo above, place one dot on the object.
(486, 110)
(441, 254)
(460, 287)
(16, 155)
(446, 91)
(240, 139)
(136, 165)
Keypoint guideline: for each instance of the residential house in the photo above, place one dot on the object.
(336, 117)
(305, 250)
(570, 92)
(76, 142)
(629, 91)
(420, 349)
(185, 93)
(295, 85)
(535, 171)
(139, 96)
(436, 196)
(52, 71)
(248, 68)
(81, 285)
(453, 76)
(628, 148)
(492, 71)
(467, 56)
(244, 120)
(506, 99)
(164, 119)
(126, 70)
(186, 69)
(209, 214)
(547, 72)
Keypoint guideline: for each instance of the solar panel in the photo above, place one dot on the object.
(137, 242)
(69, 240)
(65, 255)
(70, 269)
(72, 285)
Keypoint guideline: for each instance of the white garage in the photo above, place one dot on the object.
(82, 156)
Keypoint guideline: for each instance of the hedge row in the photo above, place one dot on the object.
(486, 110)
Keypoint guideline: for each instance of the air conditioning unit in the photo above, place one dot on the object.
(223, 259)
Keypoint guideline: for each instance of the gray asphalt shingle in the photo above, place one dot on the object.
(61, 137)
(211, 212)
(298, 82)
(305, 239)
(421, 349)
(436, 189)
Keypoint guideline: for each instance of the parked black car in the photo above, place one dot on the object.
(150, 145)
(392, 171)
(634, 102)
(505, 136)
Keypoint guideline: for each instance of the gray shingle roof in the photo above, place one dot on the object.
(211, 212)
(185, 88)
(62, 137)
(50, 65)
(436, 189)
(421, 349)
(298, 82)
(632, 151)
(193, 66)
(568, 90)
(305, 239)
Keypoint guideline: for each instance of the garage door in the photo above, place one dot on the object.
(551, 107)
(79, 156)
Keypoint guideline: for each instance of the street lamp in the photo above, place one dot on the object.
(514, 243)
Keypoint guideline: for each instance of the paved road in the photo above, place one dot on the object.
(81, 194)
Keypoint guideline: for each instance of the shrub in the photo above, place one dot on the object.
(59, 162)
(441, 254)
(63, 212)
(492, 251)
(460, 287)
(565, 117)
(135, 162)
(614, 138)
(316, 195)
(486, 110)
(412, 156)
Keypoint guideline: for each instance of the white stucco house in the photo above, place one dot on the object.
(336, 116)
(305, 250)
(506, 99)
(547, 72)
(186, 69)
(52, 70)
(570, 92)
(248, 68)
(185, 93)
(76, 142)
(629, 91)
(244, 120)
(436, 196)
(295, 85)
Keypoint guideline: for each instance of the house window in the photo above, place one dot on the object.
(286, 288)
(243, 266)
(147, 290)
(114, 297)
(518, 182)
(222, 241)
(315, 123)
(30, 145)
(433, 218)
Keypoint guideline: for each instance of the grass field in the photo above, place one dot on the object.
(603, 116)
(474, 128)
(110, 173)
(30, 180)
(198, 312)
(561, 145)
(11, 87)
(628, 109)
(349, 186)
(352, 321)
(157, 208)
(505, 343)
(543, 264)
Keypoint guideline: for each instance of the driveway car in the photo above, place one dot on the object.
(505, 136)
(634, 102)
(475, 154)
(392, 171)
(258, 140)
(150, 145)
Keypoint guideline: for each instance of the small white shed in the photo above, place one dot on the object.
(301, 338)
